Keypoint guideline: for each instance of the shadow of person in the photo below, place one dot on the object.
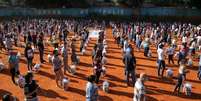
(4, 92)
(50, 94)
(42, 73)
(149, 98)
(76, 90)
(120, 93)
(105, 98)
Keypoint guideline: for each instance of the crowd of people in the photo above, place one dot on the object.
(180, 40)
(172, 40)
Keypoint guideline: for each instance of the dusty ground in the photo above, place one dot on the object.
(157, 89)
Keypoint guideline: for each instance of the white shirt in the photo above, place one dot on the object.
(170, 51)
(184, 39)
(140, 87)
(192, 45)
(88, 89)
(160, 54)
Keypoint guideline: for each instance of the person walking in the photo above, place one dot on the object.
(146, 46)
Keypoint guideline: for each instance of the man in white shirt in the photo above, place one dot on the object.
(161, 61)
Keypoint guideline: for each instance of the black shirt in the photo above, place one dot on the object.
(180, 78)
(29, 88)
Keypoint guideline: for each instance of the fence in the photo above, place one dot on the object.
(104, 11)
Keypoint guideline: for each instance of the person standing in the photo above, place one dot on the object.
(30, 88)
(65, 34)
(34, 36)
(98, 69)
(65, 57)
(161, 61)
(130, 63)
(29, 54)
(41, 48)
(146, 47)
(29, 37)
(139, 91)
(14, 65)
(57, 65)
(91, 89)
(170, 53)
(180, 80)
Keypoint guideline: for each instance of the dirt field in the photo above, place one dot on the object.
(157, 89)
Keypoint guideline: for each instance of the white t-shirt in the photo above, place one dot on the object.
(184, 39)
(192, 45)
(140, 87)
(160, 54)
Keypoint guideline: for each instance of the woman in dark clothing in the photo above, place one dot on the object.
(41, 48)
(34, 37)
(179, 82)
(29, 38)
(29, 54)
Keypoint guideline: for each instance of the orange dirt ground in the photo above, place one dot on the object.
(157, 89)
